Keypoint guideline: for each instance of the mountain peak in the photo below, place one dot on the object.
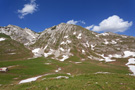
(12, 26)
(66, 40)
(62, 23)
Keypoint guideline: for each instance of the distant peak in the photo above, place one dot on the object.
(65, 24)
(26, 28)
(10, 25)
(62, 23)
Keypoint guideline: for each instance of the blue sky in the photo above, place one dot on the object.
(98, 15)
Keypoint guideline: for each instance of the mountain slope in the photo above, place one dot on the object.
(25, 36)
(71, 41)
(12, 50)
(67, 41)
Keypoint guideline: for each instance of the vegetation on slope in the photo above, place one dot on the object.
(13, 50)
(86, 75)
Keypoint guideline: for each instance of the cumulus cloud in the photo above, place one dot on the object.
(29, 8)
(75, 22)
(112, 24)
(72, 22)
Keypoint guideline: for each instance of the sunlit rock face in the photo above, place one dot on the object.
(66, 40)
(63, 41)
(25, 36)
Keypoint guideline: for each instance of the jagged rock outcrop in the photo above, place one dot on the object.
(25, 36)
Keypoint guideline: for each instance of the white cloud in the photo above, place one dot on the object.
(72, 22)
(75, 22)
(113, 24)
(28, 9)
(89, 27)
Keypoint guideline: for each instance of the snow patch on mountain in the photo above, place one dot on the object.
(131, 61)
(130, 66)
(62, 49)
(49, 53)
(29, 80)
(106, 42)
(132, 69)
(79, 36)
(92, 46)
(66, 42)
(107, 59)
(128, 53)
(113, 42)
(105, 34)
(32, 79)
(83, 51)
(2, 39)
(87, 43)
(74, 33)
(116, 56)
(59, 69)
(38, 52)
(65, 36)
(45, 47)
(59, 77)
(62, 43)
(102, 34)
(64, 58)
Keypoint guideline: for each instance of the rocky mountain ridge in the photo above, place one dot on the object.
(25, 36)
(67, 41)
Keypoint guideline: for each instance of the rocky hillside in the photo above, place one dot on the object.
(24, 36)
(67, 41)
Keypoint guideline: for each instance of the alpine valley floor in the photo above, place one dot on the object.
(68, 75)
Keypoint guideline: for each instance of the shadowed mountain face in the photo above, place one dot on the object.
(65, 41)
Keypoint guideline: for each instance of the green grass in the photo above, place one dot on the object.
(91, 66)
(25, 69)
(9, 46)
(4, 36)
(81, 82)
(83, 77)
(73, 58)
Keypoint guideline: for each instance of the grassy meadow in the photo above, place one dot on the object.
(87, 75)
